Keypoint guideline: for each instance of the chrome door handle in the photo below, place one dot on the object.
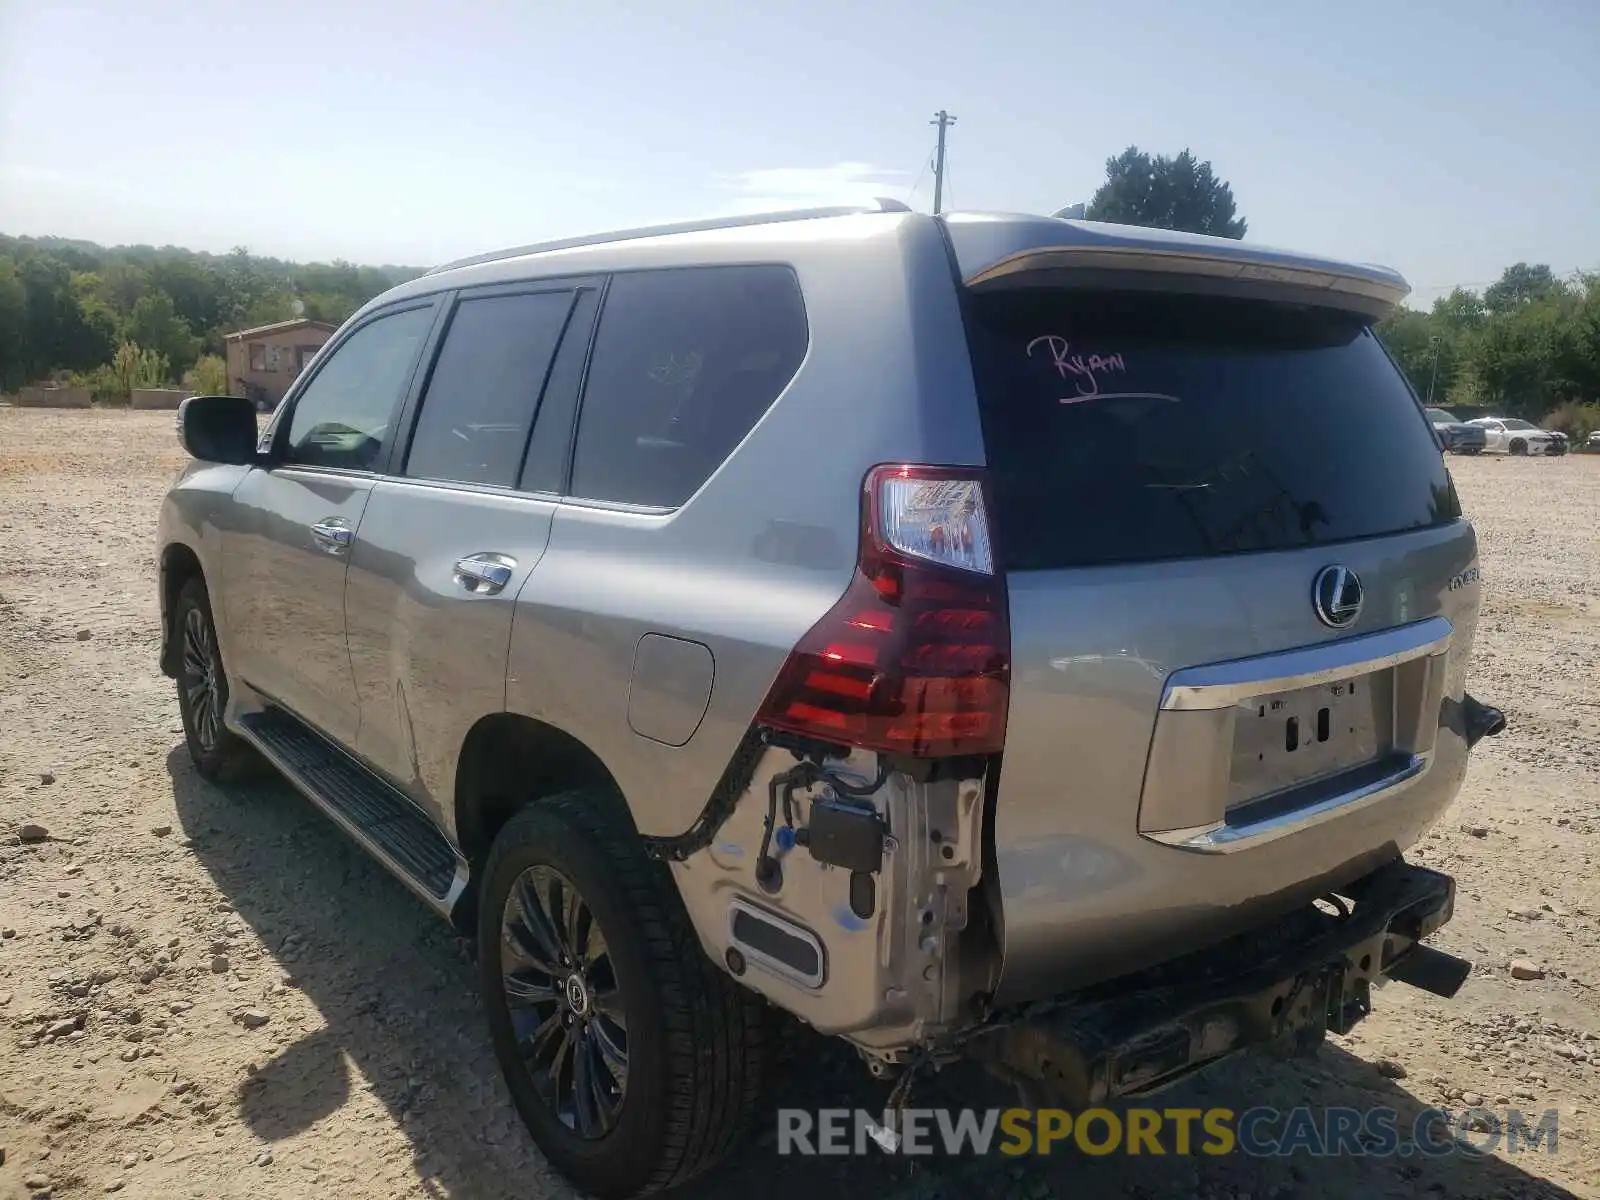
(485, 574)
(333, 534)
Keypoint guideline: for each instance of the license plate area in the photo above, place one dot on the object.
(1287, 739)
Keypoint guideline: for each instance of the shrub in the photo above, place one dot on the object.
(1575, 420)
(209, 376)
(129, 368)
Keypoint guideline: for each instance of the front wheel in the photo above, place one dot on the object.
(1519, 446)
(217, 752)
(634, 1062)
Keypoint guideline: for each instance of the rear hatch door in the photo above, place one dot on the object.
(1240, 593)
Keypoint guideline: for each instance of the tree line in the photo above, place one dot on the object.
(131, 316)
(111, 317)
(1526, 346)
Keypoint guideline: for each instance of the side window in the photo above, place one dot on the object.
(686, 361)
(485, 388)
(343, 417)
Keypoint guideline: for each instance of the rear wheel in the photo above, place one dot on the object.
(218, 753)
(634, 1062)
(1518, 446)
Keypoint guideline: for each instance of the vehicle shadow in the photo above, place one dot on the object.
(403, 1040)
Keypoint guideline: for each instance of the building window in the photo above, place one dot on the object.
(258, 357)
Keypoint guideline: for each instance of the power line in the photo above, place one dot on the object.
(927, 161)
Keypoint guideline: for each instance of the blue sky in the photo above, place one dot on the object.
(1446, 139)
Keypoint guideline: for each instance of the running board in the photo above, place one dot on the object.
(381, 819)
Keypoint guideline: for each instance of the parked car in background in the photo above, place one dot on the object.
(1509, 435)
(1593, 444)
(1455, 435)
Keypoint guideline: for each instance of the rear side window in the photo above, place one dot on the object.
(685, 363)
(1134, 427)
(485, 388)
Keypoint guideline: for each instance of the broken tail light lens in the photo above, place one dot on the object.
(915, 658)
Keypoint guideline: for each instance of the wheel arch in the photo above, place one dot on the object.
(179, 564)
(508, 761)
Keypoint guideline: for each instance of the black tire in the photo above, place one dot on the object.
(693, 1043)
(1518, 446)
(218, 753)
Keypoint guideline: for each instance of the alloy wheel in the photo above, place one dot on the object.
(201, 675)
(560, 988)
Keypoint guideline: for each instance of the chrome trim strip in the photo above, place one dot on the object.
(1223, 838)
(1222, 685)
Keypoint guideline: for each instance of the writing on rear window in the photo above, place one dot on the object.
(1084, 371)
(1177, 426)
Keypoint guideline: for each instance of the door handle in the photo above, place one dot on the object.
(333, 534)
(485, 574)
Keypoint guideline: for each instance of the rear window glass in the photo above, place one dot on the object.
(1135, 427)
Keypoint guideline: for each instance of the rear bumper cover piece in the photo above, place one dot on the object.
(1284, 985)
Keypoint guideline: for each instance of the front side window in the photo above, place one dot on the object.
(345, 415)
(485, 388)
(686, 361)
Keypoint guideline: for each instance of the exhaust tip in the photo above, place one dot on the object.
(1482, 720)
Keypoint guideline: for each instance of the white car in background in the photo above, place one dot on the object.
(1509, 435)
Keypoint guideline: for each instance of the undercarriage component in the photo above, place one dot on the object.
(876, 870)
(1284, 985)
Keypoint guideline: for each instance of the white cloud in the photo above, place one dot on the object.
(776, 188)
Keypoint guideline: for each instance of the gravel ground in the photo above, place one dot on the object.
(213, 994)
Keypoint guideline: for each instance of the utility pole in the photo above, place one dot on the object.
(1434, 374)
(943, 120)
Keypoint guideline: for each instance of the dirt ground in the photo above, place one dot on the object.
(213, 994)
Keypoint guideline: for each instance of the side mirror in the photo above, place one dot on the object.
(218, 429)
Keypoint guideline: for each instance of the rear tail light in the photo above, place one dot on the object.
(915, 658)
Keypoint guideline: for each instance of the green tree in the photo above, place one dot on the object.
(13, 327)
(1410, 336)
(1166, 193)
(154, 323)
(193, 284)
(1518, 285)
(58, 333)
(1523, 360)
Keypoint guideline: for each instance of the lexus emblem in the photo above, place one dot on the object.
(1336, 594)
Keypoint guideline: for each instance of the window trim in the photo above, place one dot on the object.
(291, 401)
(395, 462)
(571, 499)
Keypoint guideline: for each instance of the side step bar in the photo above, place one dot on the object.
(382, 820)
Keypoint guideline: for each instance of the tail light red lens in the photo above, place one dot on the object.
(915, 658)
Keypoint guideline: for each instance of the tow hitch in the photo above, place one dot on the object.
(1282, 986)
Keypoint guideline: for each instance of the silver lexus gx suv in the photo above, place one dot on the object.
(978, 637)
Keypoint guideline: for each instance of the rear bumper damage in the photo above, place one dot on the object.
(1284, 985)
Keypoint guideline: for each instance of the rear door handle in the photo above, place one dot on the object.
(333, 534)
(485, 574)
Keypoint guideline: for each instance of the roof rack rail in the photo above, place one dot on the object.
(879, 205)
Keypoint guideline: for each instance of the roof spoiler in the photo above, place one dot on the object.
(997, 253)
